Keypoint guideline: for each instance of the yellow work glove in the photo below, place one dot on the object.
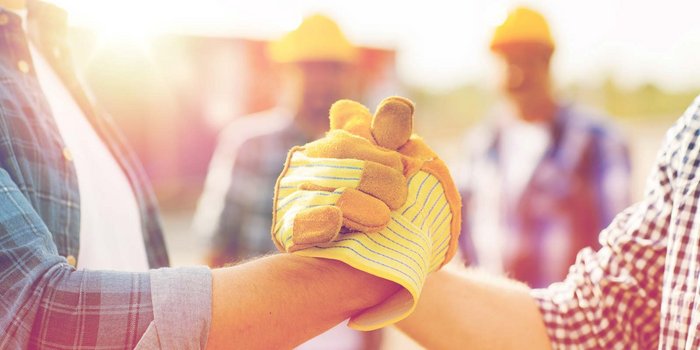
(346, 197)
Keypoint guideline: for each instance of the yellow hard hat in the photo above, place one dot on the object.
(523, 25)
(318, 38)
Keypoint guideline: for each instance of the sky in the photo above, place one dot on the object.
(442, 44)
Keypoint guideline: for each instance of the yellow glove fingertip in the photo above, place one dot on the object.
(362, 212)
(384, 183)
(393, 122)
(316, 226)
(351, 116)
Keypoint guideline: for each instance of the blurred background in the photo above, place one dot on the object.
(173, 73)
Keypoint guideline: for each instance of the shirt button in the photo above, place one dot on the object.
(23, 66)
(67, 155)
(4, 19)
(71, 260)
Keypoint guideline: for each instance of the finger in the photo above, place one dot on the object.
(327, 173)
(343, 145)
(312, 218)
(315, 226)
(393, 122)
(416, 153)
(301, 215)
(384, 183)
(300, 200)
(362, 212)
(352, 117)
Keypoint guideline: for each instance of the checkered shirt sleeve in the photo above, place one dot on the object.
(46, 304)
(622, 296)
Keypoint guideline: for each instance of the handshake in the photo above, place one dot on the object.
(374, 196)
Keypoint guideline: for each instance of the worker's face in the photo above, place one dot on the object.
(526, 77)
(321, 84)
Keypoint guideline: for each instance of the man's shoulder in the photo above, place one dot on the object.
(266, 125)
(686, 130)
(691, 116)
(588, 116)
(480, 137)
(260, 124)
(592, 121)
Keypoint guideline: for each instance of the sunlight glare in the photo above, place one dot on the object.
(120, 22)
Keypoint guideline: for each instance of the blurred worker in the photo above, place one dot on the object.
(543, 178)
(317, 64)
(82, 255)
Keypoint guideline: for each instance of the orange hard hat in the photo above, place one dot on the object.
(318, 38)
(522, 26)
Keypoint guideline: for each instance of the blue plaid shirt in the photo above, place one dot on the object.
(236, 206)
(44, 301)
(575, 190)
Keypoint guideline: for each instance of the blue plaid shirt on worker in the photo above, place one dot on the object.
(44, 301)
(575, 189)
(641, 290)
(235, 210)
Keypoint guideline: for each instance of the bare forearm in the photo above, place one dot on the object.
(280, 301)
(470, 310)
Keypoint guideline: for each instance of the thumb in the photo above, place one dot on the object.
(393, 122)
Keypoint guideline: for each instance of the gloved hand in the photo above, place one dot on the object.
(373, 196)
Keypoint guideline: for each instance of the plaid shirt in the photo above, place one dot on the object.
(236, 206)
(573, 192)
(44, 301)
(641, 289)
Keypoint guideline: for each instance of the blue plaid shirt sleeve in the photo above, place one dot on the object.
(46, 303)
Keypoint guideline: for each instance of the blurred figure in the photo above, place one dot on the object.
(543, 178)
(317, 64)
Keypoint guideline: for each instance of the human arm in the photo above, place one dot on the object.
(611, 298)
(280, 301)
(47, 303)
(472, 310)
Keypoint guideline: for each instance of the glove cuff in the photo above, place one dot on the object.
(399, 253)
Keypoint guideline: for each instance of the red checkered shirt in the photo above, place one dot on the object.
(640, 290)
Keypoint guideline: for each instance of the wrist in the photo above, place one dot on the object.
(361, 290)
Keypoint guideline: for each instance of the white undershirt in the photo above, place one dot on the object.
(522, 145)
(110, 226)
